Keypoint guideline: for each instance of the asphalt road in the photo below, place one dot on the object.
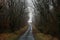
(27, 35)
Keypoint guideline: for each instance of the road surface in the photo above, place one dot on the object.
(27, 35)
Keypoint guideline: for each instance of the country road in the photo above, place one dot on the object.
(29, 8)
(27, 35)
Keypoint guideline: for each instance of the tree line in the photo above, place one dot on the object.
(12, 15)
(48, 16)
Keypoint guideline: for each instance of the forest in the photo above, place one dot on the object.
(46, 19)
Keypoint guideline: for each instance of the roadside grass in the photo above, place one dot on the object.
(41, 36)
(13, 36)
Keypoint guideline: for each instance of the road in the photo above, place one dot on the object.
(27, 35)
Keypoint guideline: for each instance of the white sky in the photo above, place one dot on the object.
(30, 9)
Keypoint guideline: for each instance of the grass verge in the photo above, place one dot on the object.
(13, 36)
(41, 36)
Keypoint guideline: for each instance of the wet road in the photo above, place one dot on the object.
(28, 34)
